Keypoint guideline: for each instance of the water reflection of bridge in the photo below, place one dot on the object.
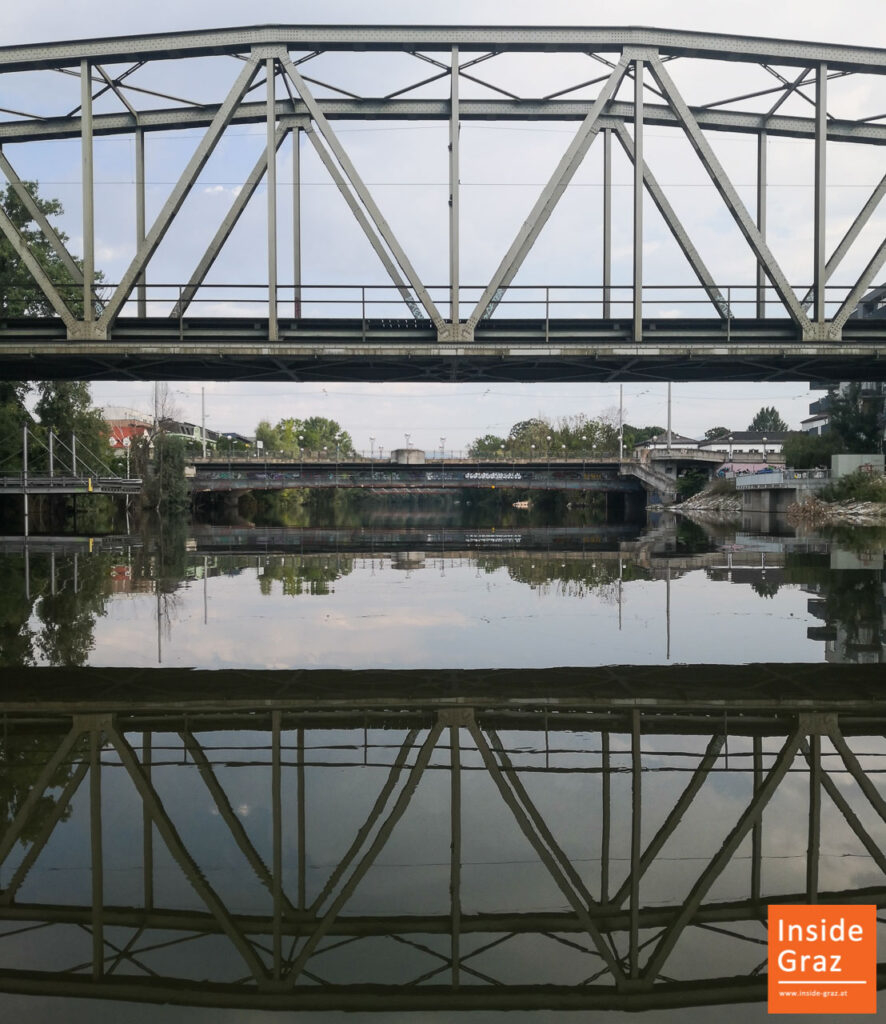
(446, 840)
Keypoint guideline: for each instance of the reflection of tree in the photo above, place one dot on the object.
(16, 634)
(68, 618)
(765, 588)
(305, 575)
(572, 578)
(22, 759)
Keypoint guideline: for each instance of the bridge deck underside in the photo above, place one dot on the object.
(162, 348)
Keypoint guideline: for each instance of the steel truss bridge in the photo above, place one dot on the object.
(617, 928)
(763, 327)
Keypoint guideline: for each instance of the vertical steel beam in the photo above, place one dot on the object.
(454, 131)
(95, 823)
(296, 221)
(86, 155)
(762, 152)
(271, 149)
(636, 826)
(455, 852)
(277, 826)
(140, 215)
(25, 476)
(757, 833)
(606, 812)
(607, 223)
(638, 200)
(821, 142)
(814, 844)
(300, 820)
(147, 829)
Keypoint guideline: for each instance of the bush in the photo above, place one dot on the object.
(857, 486)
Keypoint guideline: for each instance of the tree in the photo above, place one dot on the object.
(19, 293)
(810, 451)
(487, 446)
(768, 420)
(854, 420)
(65, 407)
(313, 434)
(715, 432)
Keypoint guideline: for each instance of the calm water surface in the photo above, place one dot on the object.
(446, 772)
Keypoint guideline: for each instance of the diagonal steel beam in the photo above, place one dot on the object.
(675, 815)
(833, 791)
(366, 862)
(864, 215)
(559, 877)
(40, 219)
(369, 824)
(360, 188)
(17, 241)
(180, 192)
(36, 847)
(855, 769)
(733, 840)
(229, 817)
(729, 195)
(681, 237)
(12, 834)
(364, 222)
(547, 201)
(239, 204)
(861, 286)
(186, 862)
(537, 820)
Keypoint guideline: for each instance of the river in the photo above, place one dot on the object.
(421, 766)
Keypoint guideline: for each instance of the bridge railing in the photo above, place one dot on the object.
(539, 302)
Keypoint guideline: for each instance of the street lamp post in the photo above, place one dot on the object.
(764, 449)
(371, 458)
(443, 459)
(730, 454)
(548, 453)
(407, 436)
(531, 452)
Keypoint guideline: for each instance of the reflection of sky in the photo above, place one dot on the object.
(458, 617)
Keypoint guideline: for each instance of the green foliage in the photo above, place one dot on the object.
(488, 446)
(313, 435)
(637, 435)
(19, 294)
(163, 473)
(857, 486)
(810, 451)
(691, 483)
(854, 420)
(768, 419)
(714, 432)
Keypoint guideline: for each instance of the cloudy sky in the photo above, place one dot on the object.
(503, 170)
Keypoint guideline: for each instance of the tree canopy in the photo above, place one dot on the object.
(768, 419)
(539, 437)
(313, 434)
(19, 293)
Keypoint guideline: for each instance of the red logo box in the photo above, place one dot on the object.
(822, 959)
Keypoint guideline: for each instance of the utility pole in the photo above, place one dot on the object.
(621, 423)
(669, 417)
(203, 418)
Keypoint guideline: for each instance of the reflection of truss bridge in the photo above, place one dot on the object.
(412, 855)
(298, 82)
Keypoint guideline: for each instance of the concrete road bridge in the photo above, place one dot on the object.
(382, 319)
(608, 476)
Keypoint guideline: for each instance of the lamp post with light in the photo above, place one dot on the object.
(764, 449)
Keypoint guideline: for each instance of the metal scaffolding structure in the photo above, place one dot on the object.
(608, 922)
(768, 325)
